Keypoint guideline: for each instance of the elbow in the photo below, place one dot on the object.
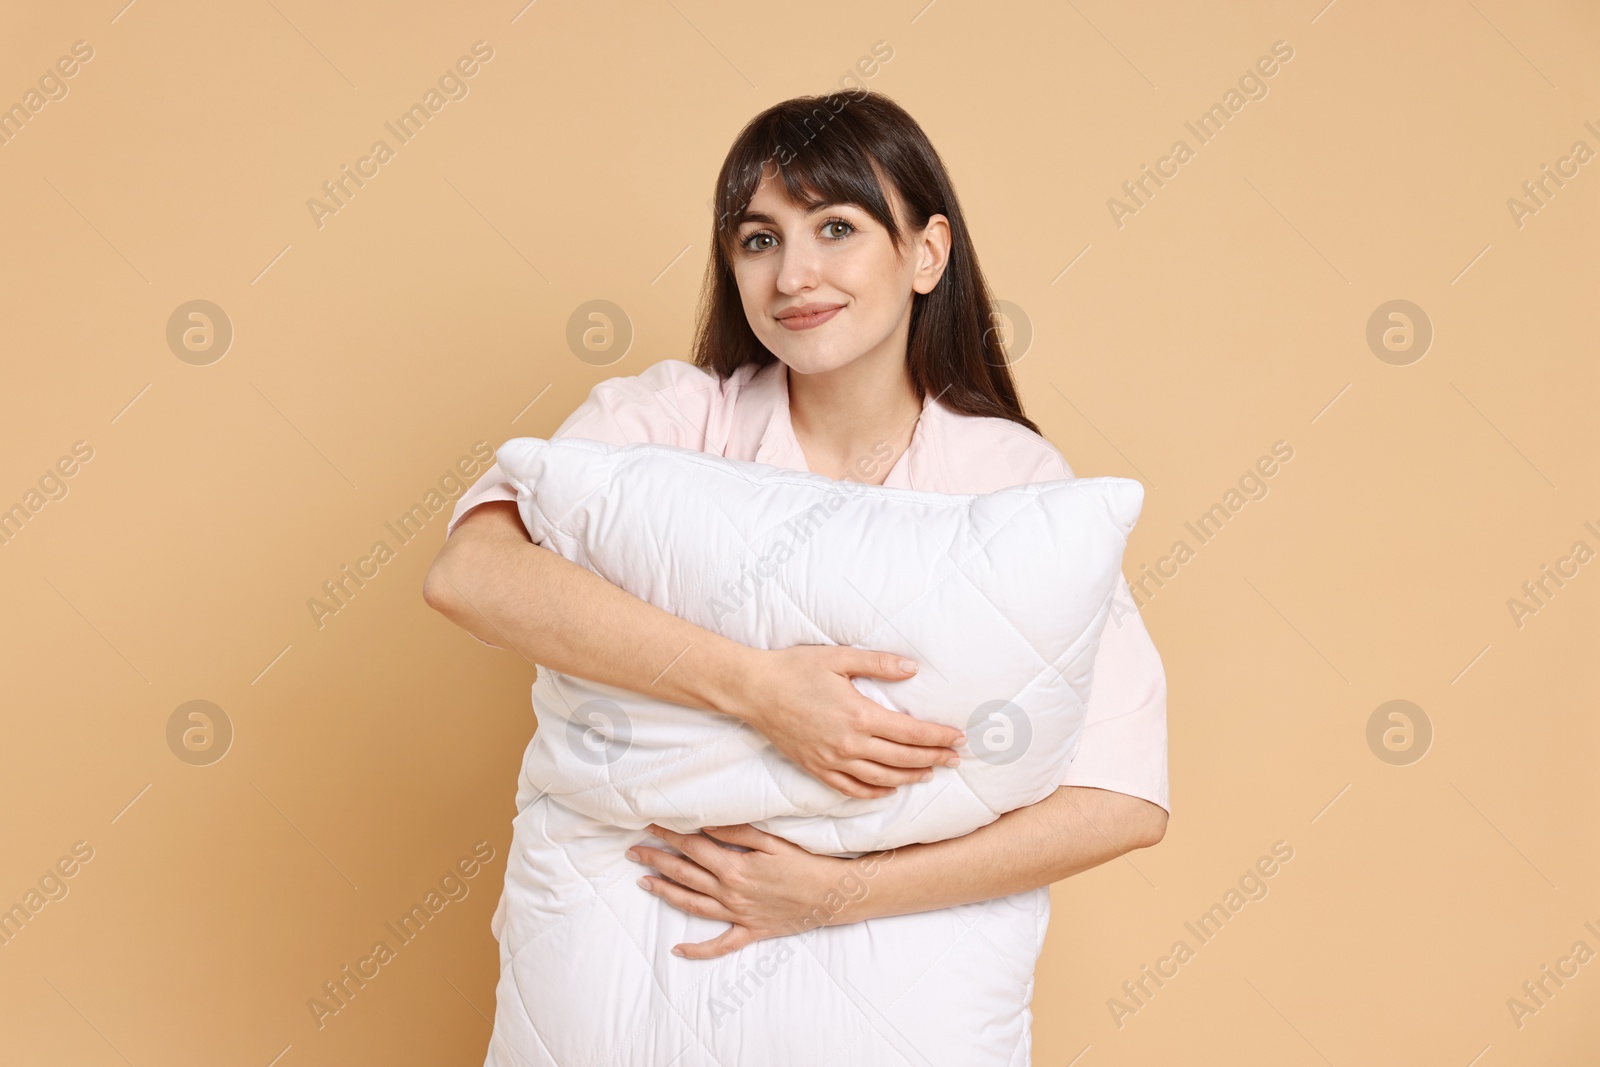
(439, 590)
(1118, 822)
(1151, 828)
(473, 562)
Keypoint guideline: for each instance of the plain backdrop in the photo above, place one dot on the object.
(1176, 340)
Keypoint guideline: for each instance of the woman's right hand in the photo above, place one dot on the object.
(802, 700)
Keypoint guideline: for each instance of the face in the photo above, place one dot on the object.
(837, 258)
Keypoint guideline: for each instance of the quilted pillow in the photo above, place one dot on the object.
(1000, 597)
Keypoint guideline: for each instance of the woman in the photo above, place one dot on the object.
(847, 331)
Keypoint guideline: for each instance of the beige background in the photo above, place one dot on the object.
(1228, 313)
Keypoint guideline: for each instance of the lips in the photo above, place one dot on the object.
(808, 316)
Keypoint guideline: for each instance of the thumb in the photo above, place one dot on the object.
(880, 664)
(746, 836)
(733, 938)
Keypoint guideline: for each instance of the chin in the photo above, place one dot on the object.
(810, 362)
(808, 353)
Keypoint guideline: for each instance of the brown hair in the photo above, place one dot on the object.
(846, 141)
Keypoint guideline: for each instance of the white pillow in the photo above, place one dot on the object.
(1001, 597)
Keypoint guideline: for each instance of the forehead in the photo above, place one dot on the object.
(770, 202)
(770, 196)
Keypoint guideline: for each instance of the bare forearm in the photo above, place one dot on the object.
(494, 582)
(1068, 832)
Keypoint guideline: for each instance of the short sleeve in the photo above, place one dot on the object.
(491, 485)
(1124, 743)
(669, 402)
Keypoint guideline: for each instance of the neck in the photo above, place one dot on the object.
(846, 416)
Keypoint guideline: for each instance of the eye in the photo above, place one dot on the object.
(849, 227)
(745, 244)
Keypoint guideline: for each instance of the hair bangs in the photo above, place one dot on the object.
(837, 168)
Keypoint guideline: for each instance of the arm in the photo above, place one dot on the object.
(1092, 817)
(1068, 832)
(779, 888)
(493, 581)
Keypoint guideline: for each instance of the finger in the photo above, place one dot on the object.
(876, 774)
(678, 869)
(853, 787)
(671, 837)
(917, 757)
(747, 836)
(730, 940)
(876, 664)
(870, 774)
(909, 730)
(687, 899)
(706, 853)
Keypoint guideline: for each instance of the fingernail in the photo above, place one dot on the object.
(677, 952)
(953, 761)
(927, 776)
(908, 665)
(632, 855)
(644, 883)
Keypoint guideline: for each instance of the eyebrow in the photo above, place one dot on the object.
(811, 209)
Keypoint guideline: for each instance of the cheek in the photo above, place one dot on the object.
(754, 304)
(872, 276)
(754, 281)
(877, 284)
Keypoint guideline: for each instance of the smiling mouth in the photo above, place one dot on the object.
(809, 320)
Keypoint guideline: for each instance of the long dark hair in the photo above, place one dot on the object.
(835, 147)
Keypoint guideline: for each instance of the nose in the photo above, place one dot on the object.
(798, 267)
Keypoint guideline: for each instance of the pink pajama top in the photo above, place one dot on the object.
(1124, 742)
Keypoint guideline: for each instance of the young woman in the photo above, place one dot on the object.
(846, 330)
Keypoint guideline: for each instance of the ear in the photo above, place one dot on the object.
(932, 247)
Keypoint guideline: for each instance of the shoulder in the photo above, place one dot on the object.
(669, 378)
(1031, 449)
(669, 402)
(998, 451)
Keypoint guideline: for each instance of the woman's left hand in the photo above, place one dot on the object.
(766, 892)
